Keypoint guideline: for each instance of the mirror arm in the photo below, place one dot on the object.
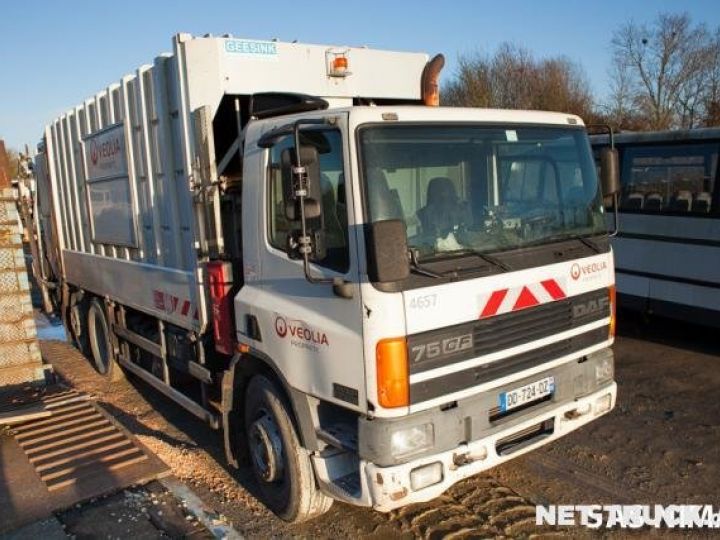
(340, 287)
(300, 192)
(616, 202)
(616, 215)
(607, 128)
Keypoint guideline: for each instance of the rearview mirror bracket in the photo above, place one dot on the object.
(610, 174)
(305, 243)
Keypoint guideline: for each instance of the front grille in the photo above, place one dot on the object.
(467, 378)
(510, 329)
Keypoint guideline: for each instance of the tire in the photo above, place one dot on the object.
(99, 341)
(286, 479)
(77, 327)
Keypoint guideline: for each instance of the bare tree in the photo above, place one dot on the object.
(662, 70)
(620, 110)
(4, 167)
(471, 86)
(512, 78)
(9, 164)
(712, 90)
(562, 86)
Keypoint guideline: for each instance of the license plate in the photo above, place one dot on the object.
(525, 394)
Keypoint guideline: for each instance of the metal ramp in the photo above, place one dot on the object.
(20, 359)
(77, 453)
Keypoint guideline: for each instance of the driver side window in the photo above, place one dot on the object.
(334, 221)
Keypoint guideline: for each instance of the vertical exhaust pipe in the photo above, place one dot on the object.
(430, 87)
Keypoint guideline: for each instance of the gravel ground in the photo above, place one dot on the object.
(660, 445)
(148, 512)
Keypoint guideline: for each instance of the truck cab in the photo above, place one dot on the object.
(457, 306)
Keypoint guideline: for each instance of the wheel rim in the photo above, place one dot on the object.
(100, 348)
(266, 448)
(75, 321)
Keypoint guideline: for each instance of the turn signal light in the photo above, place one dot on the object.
(338, 63)
(392, 373)
(613, 310)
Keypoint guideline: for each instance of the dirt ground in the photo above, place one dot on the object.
(660, 445)
(143, 513)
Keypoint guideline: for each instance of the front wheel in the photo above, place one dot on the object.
(280, 464)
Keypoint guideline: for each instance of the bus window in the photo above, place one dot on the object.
(669, 178)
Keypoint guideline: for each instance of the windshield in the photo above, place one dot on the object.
(481, 188)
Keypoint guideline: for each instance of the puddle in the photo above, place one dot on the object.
(48, 330)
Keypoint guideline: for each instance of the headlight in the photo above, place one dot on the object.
(604, 370)
(411, 440)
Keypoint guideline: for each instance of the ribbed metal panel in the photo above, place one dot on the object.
(77, 441)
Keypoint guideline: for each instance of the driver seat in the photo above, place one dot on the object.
(442, 211)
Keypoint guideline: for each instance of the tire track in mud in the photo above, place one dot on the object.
(477, 507)
(551, 467)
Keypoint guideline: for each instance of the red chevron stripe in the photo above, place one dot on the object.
(526, 299)
(553, 289)
(493, 303)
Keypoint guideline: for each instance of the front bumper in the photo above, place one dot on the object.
(390, 487)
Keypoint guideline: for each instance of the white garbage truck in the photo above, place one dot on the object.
(371, 297)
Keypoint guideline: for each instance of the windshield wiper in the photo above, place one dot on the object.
(414, 265)
(561, 237)
(589, 243)
(580, 238)
(490, 259)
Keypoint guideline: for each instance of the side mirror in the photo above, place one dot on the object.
(609, 171)
(313, 209)
(310, 160)
(387, 251)
(610, 183)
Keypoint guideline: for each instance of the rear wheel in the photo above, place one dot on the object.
(280, 464)
(99, 340)
(78, 326)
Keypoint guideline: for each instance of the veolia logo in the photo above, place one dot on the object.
(94, 153)
(281, 327)
(577, 271)
(300, 333)
(106, 150)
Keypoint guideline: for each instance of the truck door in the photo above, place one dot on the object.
(314, 336)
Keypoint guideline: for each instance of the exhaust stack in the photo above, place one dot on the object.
(429, 81)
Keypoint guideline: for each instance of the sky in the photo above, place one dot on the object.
(55, 54)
